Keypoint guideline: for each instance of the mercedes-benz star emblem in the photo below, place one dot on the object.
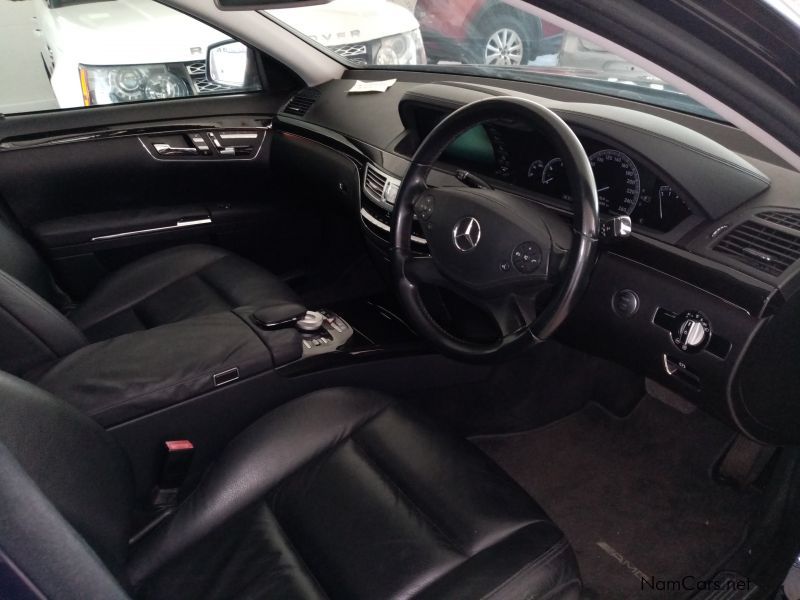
(467, 234)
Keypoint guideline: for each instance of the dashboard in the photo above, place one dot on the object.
(715, 244)
(513, 154)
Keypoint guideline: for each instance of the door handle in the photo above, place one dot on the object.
(167, 150)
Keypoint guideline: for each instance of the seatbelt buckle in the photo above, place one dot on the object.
(175, 467)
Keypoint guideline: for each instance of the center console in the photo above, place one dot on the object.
(205, 379)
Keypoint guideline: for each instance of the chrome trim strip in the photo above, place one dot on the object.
(178, 225)
(208, 158)
(226, 377)
(385, 227)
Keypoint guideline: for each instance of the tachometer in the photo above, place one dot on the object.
(617, 179)
(554, 178)
(535, 169)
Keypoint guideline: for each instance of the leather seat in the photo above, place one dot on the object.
(342, 493)
(176, 284)
(40, 324)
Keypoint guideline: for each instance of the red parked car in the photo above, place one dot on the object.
(484, 32)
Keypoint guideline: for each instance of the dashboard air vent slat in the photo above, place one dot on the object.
(375, 183)
(300, 104)
(761, 246)
(783, 218)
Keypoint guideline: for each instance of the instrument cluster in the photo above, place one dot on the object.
(623, 186)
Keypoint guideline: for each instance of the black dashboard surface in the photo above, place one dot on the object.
(686, 192)
(512, 154)
(698, 178)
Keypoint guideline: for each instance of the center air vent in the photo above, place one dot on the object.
(374, 182)
(380, 186)
(779, 217)
(761, 246)
(302, 102)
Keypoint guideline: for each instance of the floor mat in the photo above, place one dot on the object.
(634, 495)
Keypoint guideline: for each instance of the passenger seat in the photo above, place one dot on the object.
(39, 323)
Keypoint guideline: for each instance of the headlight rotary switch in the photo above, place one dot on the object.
(691, 331)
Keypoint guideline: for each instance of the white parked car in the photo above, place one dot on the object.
(129, 50)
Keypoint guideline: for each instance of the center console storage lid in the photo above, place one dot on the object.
(134, 374)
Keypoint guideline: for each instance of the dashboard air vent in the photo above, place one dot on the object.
(301, 102)
(783, 218)
(761, 246)
(374, 183)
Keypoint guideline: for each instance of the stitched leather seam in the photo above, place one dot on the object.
(148, 295)
(36, 337)
(217, 290)
(296, 552)
(361, 451)
(540, 561)
(269, 491)
(137, 313)
(322, 454)
(39, 303)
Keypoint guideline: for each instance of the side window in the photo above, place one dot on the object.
(81, 53)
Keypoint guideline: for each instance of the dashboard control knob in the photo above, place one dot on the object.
(311, 321)
(692, 331)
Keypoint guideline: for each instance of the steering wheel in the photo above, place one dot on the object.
(497, 250)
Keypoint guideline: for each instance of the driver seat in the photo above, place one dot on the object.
(341, 493)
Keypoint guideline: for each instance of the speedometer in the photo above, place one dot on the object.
(617, 179)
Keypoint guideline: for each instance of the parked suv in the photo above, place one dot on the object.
(484, 32)
(115, 51)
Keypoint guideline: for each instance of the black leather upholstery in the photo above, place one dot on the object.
(74, 462)
(175, 284)
(19, 260)
(122, 378)
(32, 325)
(341, 493)
(165, 287)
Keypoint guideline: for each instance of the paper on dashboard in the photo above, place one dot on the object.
(362, 87)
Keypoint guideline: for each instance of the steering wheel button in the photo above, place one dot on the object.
(423, 208)
(526, 257)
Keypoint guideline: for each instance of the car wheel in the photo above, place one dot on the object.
(505, 42)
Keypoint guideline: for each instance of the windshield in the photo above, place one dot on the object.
(503, 39)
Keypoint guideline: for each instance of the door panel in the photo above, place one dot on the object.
(96, 198)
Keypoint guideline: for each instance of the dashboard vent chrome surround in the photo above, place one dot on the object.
(379, 186)
(761, 246)
(300, 104)
(786, 219)
(380, 190)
